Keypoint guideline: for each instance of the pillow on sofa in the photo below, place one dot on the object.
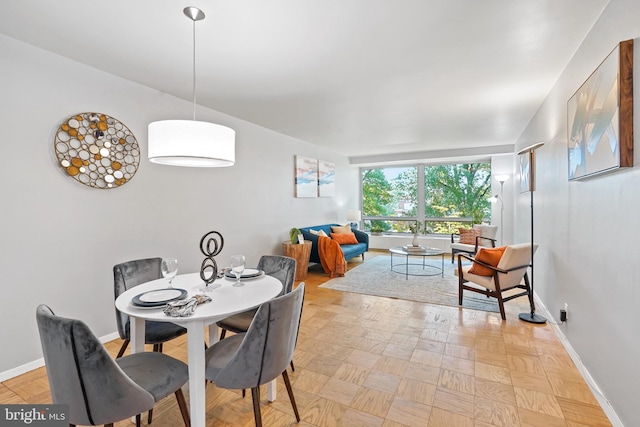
(341, 229)
(344, 238)
(489, 256)
(318, 233)
(468, 235)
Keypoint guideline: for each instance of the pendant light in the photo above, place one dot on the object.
(191, 143)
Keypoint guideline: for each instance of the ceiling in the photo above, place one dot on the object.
(375, 80)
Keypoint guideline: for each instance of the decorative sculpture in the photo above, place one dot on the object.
(210, 247)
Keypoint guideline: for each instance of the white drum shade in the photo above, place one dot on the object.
(191, 143)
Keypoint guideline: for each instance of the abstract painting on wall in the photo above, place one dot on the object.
(526, 172)
(600, 117)
(326, 179)
(306, 177)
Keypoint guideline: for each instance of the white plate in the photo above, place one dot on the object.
(160, 295)
(248, 273)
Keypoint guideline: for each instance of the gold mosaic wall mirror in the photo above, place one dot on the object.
(97, 150)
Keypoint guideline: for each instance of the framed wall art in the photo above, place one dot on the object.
(326, 179)
(306, 177)
(600, 117)
(526, 172)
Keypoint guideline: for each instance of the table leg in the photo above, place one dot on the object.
(406, 269)
(197, 397)
(137, 334)
(271, 391)
(214, 334)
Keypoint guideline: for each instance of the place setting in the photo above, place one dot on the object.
(239, 272)
(173, 301)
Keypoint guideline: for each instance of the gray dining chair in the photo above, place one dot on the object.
(260, 355)
(133, 273)
(282, 268)
(97, 388)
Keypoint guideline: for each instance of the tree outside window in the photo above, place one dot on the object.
(455, 196)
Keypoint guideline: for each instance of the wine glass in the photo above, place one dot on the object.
(237, 266)
(169, 267)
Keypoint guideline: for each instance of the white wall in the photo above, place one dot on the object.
(59, 239)
(588, 230)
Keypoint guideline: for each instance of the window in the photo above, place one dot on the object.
(441, 198)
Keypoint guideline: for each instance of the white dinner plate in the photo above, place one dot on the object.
(158, 297)
(248, 273)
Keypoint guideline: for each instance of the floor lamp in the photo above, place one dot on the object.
(501, 179)
(527, 172)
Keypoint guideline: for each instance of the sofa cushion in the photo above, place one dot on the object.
(345, 239)
(318, 232)
(341, 229)
(489, 256)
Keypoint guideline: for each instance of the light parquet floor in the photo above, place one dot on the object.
(372, 361)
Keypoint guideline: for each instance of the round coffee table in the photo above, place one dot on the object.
(424, 252)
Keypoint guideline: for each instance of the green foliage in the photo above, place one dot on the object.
(452, 191)
(458, 190)
(293, 235)
(405, 188)
(415, 227)
(377, 197)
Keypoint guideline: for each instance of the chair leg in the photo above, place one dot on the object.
(222, 334)
(460, 280)
(255, 394)
(183, 408)
(125, 343)
(293, 369)
(138, 420)
(287, 383)
(530, 294)
(150, 416)
(244, 393)
(501, 305)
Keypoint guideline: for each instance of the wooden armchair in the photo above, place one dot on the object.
(485, 238)
(509, 274)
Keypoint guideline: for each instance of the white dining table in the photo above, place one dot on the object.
(226, 300)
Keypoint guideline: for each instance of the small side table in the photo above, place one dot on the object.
(301, 253)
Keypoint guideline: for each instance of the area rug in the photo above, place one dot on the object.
(374, 277)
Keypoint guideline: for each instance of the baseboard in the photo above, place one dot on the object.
(599, 395)
(23, 369)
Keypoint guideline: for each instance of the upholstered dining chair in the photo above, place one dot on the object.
(508, 275)
(97, 388)
(260, 355)
(133, 273)
(282, 268)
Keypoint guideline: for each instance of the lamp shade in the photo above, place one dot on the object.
(191, 143)
(355, 216)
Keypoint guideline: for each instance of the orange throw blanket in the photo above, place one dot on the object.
(331, 257)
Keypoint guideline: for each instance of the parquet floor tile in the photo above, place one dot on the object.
(369, 361)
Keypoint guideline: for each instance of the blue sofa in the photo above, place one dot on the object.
(350, 251)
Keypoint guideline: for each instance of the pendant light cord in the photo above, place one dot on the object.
(194, 70)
